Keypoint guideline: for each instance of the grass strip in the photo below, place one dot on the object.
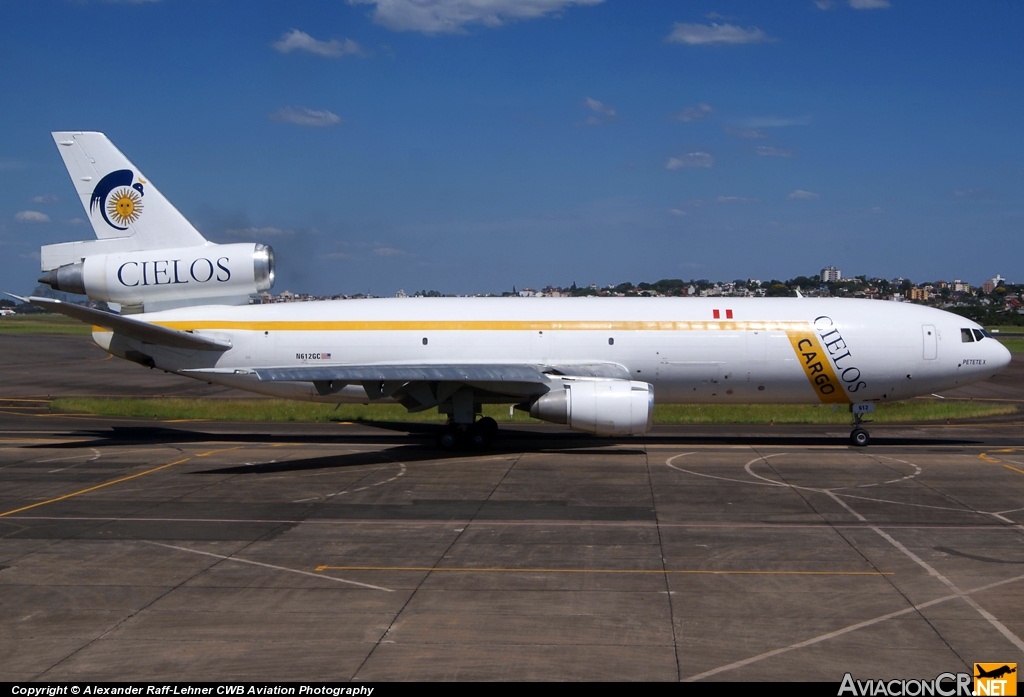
(288, 411)
(43, 324)
(1014, 344)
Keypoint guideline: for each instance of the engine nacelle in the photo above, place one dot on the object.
(604, 407)
(163, 278)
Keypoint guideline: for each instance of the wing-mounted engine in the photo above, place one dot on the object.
(604, 407)
(147, 281)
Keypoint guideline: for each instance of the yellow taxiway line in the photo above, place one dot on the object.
(93, 488)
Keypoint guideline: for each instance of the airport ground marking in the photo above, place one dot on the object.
(223, 557)
(934, 573)
(1011, 467)
(94, 488)
(851, 628)
(221, 450)
(741, 572)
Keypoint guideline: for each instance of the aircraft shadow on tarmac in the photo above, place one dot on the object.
(413, 442)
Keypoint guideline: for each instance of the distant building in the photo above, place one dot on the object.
(831, 274)
(993, 283)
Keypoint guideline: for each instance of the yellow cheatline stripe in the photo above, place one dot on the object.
(817, 367)
(604, 571)
(94, 488)
(1013, 468)
(484, 325)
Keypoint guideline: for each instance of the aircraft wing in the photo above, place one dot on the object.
(132, 328)
(422, 386)
(467, 372)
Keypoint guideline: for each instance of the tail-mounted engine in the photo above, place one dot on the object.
(147, 281)
(604, 407)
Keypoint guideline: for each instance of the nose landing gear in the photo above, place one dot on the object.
(859, 437)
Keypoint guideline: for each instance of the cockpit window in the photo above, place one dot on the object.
(984, 333)
(978, 334)
(966, 336)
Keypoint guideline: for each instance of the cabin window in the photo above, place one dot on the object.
(611, 341)
(978, 335)
(424, 341)
(966, 336)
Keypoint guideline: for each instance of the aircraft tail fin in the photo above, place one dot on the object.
(121, 203)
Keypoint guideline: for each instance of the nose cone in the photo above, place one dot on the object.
(1002, 356)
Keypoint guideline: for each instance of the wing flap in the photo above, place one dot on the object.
(132, 328)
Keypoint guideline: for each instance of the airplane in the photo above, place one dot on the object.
(598, 365)
(995, 672)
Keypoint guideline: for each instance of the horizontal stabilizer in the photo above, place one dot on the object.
(468, 372)
(132, 328)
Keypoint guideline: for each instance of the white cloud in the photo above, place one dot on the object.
(972, 194)
(31, 217)
(602, 112)
(766, 151)
(599, 107)
(801, 195)
(388, 252)
(735, 199)
(693, 113)
(703, 34)
(76, 221)
(869, 4)
(45, 198)
(301, 116)
(693, 159)
(258, 232)
(451, 16)
(295, 40)
(748, 133)
(756, 122)
(825, 4)
(677, 211)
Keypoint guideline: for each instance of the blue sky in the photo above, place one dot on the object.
(469, 146)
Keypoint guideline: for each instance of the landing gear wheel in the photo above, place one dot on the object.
(859, 437)
(447, 439)
(479, 439)
(487, 425)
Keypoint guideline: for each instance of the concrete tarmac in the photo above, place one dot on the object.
(146, 550)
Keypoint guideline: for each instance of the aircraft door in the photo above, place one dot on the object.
(931, 344)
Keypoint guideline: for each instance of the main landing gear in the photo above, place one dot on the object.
(476, 436)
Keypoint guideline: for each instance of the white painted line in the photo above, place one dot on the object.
(271, 566)
(95, 456)
(932, 571)
(847, 630)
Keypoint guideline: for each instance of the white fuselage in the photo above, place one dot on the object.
(692, 350)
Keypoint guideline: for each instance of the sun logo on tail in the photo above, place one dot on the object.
(118, 199)
(124, 206)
